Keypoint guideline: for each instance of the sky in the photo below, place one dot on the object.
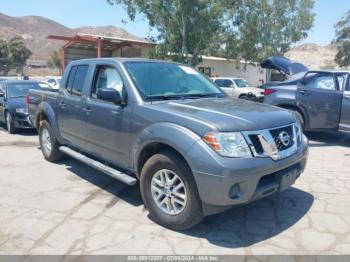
(76, 13)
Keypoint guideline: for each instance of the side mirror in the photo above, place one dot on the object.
(233, 86)
(2, 94)
(109, 95)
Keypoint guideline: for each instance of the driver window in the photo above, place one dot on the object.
(106, 77)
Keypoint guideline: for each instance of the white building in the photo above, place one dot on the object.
(222, 67)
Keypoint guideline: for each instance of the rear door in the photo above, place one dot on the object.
(70, 104)
(320, 96)
(345, 112)
(107, 124)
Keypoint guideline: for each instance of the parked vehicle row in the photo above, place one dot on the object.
(320, 99)
(13, 106)
(195, 150)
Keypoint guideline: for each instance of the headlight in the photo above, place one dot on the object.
(20, 110)
(228, 144)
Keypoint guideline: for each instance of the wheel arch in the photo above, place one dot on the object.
(154, 148)
(46, 112)
(159, 137)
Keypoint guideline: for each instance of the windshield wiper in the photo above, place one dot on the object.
(164, 97)
(202, 95)
(182, 96)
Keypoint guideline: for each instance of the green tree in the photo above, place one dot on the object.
(342, 40)
(186, 28)
(4, 57)
(19, 53)
(54, 60)
(258, 29)
(239, 29)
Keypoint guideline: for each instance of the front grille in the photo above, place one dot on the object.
(256, 143)
(283, 142)
(277, 143)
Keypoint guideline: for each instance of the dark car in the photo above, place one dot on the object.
(320, 99)
(13, 109)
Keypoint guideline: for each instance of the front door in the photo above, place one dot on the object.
(319, 94)
(107, 124)
(345, 112)
(70, 105)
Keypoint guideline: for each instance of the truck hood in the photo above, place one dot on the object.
(226, 114)
(284, 65)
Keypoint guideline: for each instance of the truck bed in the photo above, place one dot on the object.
(37, 98)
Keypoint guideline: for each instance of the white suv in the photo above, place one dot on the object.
(238, 87)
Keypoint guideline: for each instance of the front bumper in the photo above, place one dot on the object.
(21, 120)
(223, 181)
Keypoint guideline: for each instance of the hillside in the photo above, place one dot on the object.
(314, 56)
(35, 29)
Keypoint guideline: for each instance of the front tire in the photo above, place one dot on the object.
(10, 125)
(48, 143)
(169, 191)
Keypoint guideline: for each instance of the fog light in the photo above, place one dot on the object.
(235, 191)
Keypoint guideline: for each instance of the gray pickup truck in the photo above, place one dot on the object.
(194, 150)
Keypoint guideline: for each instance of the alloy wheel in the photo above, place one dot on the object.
(169, 192)
(46, 141)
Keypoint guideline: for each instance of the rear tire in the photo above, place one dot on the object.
(178, 206)
(10, 125)
(48, 143)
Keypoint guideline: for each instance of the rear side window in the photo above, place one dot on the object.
(347, 85)
(76, 80)
(70, 81)
(341, 81)
(320, 81)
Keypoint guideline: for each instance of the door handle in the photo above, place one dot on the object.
(304, 92)
(347, 97)
(87, 110)
(62, 104)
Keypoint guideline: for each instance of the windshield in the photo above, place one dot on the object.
(157, 80)
(22, 89)
(241, 83)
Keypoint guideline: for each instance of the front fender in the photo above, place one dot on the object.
(46, 111)
(175, 136)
